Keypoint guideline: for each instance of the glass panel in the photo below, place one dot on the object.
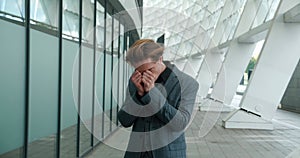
(86, 98)
(235, 20)
(115, 88)
(238, 4)
(12, 83)
(43, 92)
(108, 33)
(205, 22)
(116, 36)
(121, 39)
(100, 25)
(215, 5)
(44, 13)
(107, 105)
(229, 24)
(98, 112)
(69, 103)
(86, 76)
(70, 17)
(108, 76)
(272, 10)
(185, 48)
(50, 8)
(70, 68)
(121, 69)
(14, 7)
(115, 71)
(87, 21)
(70, 23)
(262, 12)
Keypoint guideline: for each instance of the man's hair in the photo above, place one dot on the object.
(144, 49)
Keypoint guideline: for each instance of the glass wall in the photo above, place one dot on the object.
(57, 90)
(12, 80)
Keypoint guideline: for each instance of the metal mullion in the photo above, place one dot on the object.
(127, 45)
(118, 96)
(94, 72)
(79, 79)
(111, 72)
(104, 66)
(27, 76)
(124, 64)
(60, 18)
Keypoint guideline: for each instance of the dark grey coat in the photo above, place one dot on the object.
(160, 117)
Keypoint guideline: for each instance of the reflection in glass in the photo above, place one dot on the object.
(87, 21)
(14, 7)
(116, 36)
(100, 26)
(70, 24)
(108, 32)
(44, 12)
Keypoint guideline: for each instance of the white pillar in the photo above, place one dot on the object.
(271, 75)
(207, 74)
(233, 68)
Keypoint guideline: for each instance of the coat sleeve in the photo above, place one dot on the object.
(176, 118)
(126, 113)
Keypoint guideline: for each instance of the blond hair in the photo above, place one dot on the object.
(143, 49)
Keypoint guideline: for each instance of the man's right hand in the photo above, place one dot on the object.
(136, 78)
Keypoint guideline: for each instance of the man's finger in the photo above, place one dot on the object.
(149, 78)
(149, 73)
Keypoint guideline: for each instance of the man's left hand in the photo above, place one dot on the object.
(148, 79)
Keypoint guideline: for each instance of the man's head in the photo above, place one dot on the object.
(144, 55)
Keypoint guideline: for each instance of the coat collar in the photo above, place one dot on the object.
(172, 80)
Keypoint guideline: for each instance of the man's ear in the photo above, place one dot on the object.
(161, 58)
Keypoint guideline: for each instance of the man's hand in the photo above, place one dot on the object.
(136, 78)
(148, 79)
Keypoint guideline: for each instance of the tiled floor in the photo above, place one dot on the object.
(281, 142)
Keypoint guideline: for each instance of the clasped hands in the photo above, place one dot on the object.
(144, 81)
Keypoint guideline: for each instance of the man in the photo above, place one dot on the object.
(159, 103)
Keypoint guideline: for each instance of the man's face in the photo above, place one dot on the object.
(147, 65)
